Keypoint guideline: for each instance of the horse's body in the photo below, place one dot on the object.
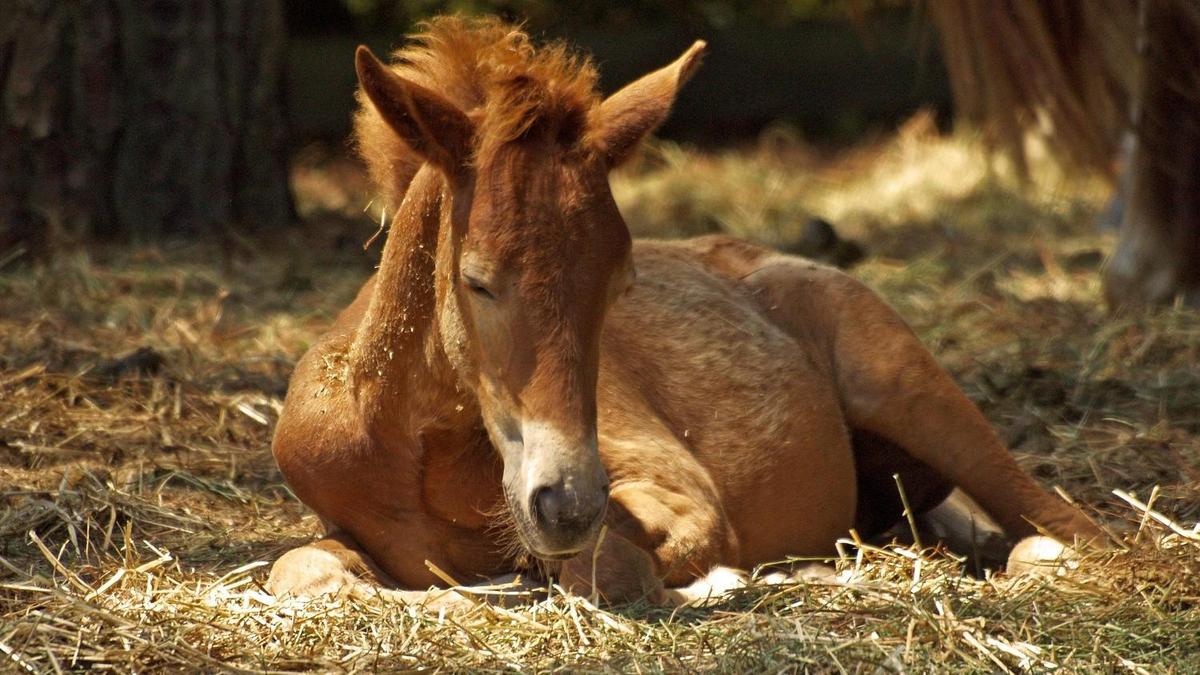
(739, 405)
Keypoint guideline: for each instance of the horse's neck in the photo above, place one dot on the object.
(398, 372)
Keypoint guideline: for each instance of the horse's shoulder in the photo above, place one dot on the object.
(318, 411)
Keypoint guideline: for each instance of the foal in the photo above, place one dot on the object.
(519, 372)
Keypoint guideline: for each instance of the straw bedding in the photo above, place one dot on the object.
(139, 505)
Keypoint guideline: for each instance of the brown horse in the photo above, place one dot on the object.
(506, 383)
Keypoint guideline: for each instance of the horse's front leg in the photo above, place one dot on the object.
(664, 544)
(336, 566)
(333, 565)
(614, 570)
(618, 571)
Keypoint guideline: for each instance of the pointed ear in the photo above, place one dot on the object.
(432, 126)
(629, 115)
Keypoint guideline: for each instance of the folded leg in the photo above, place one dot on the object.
(336, 566)
(891, 387)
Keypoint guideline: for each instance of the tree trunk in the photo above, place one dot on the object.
(140, 119)
(1019, 63)
(1158, 253)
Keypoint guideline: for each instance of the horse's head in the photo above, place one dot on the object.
(536, 255)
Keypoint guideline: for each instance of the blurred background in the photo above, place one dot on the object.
(802, 64)
(135, 120)
(155, 120)
(145, 121)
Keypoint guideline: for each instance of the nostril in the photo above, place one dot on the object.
(547, 505)
(558, 509)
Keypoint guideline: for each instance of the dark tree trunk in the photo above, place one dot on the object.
(139, 119)
(1083, 65)
(1158, 254)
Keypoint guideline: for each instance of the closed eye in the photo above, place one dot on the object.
(477, 287)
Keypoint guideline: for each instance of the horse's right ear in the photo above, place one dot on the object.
(629, 115)
(432, 126)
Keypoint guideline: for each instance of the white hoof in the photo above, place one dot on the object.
(712, 586)
(801, 573)
(308, 572)
(1040, 555)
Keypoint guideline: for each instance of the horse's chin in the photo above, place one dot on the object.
(528, 538)
(552, 555)
(532, 547)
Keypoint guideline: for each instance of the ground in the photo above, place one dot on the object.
(140, 507)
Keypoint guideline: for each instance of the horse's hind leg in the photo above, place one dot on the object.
(891, 386)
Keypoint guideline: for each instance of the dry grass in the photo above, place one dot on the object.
(139, 504)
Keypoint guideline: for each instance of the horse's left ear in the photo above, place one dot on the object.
(629, 115)
(432, 126)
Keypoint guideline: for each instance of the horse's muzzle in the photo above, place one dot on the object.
(565, 518)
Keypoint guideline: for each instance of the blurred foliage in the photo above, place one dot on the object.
(390, 15)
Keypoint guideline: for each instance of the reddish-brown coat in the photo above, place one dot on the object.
(727, 395)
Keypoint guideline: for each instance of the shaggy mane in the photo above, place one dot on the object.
(493, 73)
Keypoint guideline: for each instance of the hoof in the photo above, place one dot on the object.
(309, 572)
(801, 573)
(709, 588)
(1041, 556)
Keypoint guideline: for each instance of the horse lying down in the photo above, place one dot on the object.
(522, 386)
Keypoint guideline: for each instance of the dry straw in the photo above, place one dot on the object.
(139, 506)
